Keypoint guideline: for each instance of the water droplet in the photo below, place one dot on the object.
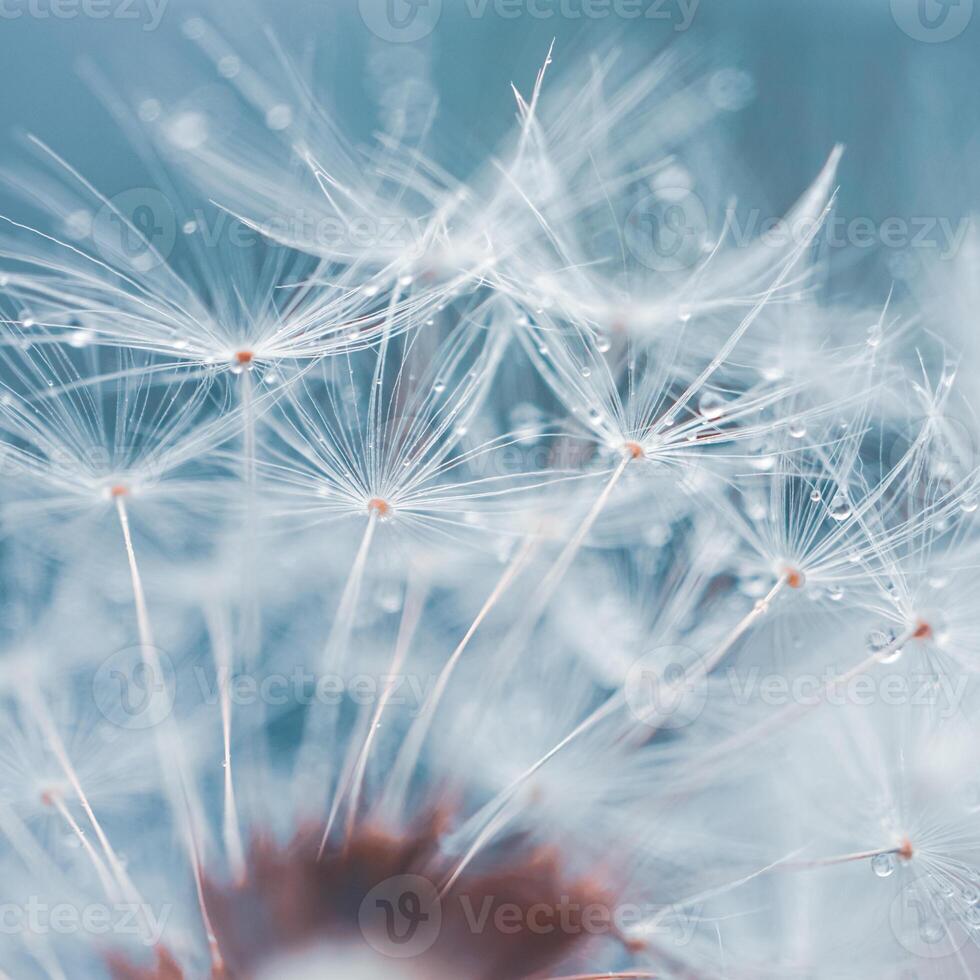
(881, 643)
(188, 130)
(149, 110)
(229, 66)
(586, 372)
(189, 227)
(971, 917)
(797, 429)
(279, 117)
(839, 507)
(390, 599)
(970, 894)
(815, 496)
(602, 344)
(80, 338)
(874, 335)
(439, 387)
(883, 865)
(78, 224)
(835, 593)
(193, 28)
(968, 504)
(711, 405)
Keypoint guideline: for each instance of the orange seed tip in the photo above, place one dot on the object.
(378, 506)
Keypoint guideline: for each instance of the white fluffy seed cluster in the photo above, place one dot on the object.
(338, 490)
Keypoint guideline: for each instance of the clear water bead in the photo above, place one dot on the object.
(880, 642)
(839, 507)
(711, 405)
(883, 865)
(279, 117)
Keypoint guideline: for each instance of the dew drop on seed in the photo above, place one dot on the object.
(815, 496)
(970, 894)
(149, 110)
(883, 865)
(968, 504)
(835, 593)
(389, 600)
(839, 508)
(971, 917)
(439, 387)
(80, 338)
(78, 224)
(279, 117)
(189, 227)
(602, 344)
(711, 405)
(586, 373)
(193, 28)
(879, 642)
(874, 335)
(229, 66)
(797, 429)
(188, 130)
